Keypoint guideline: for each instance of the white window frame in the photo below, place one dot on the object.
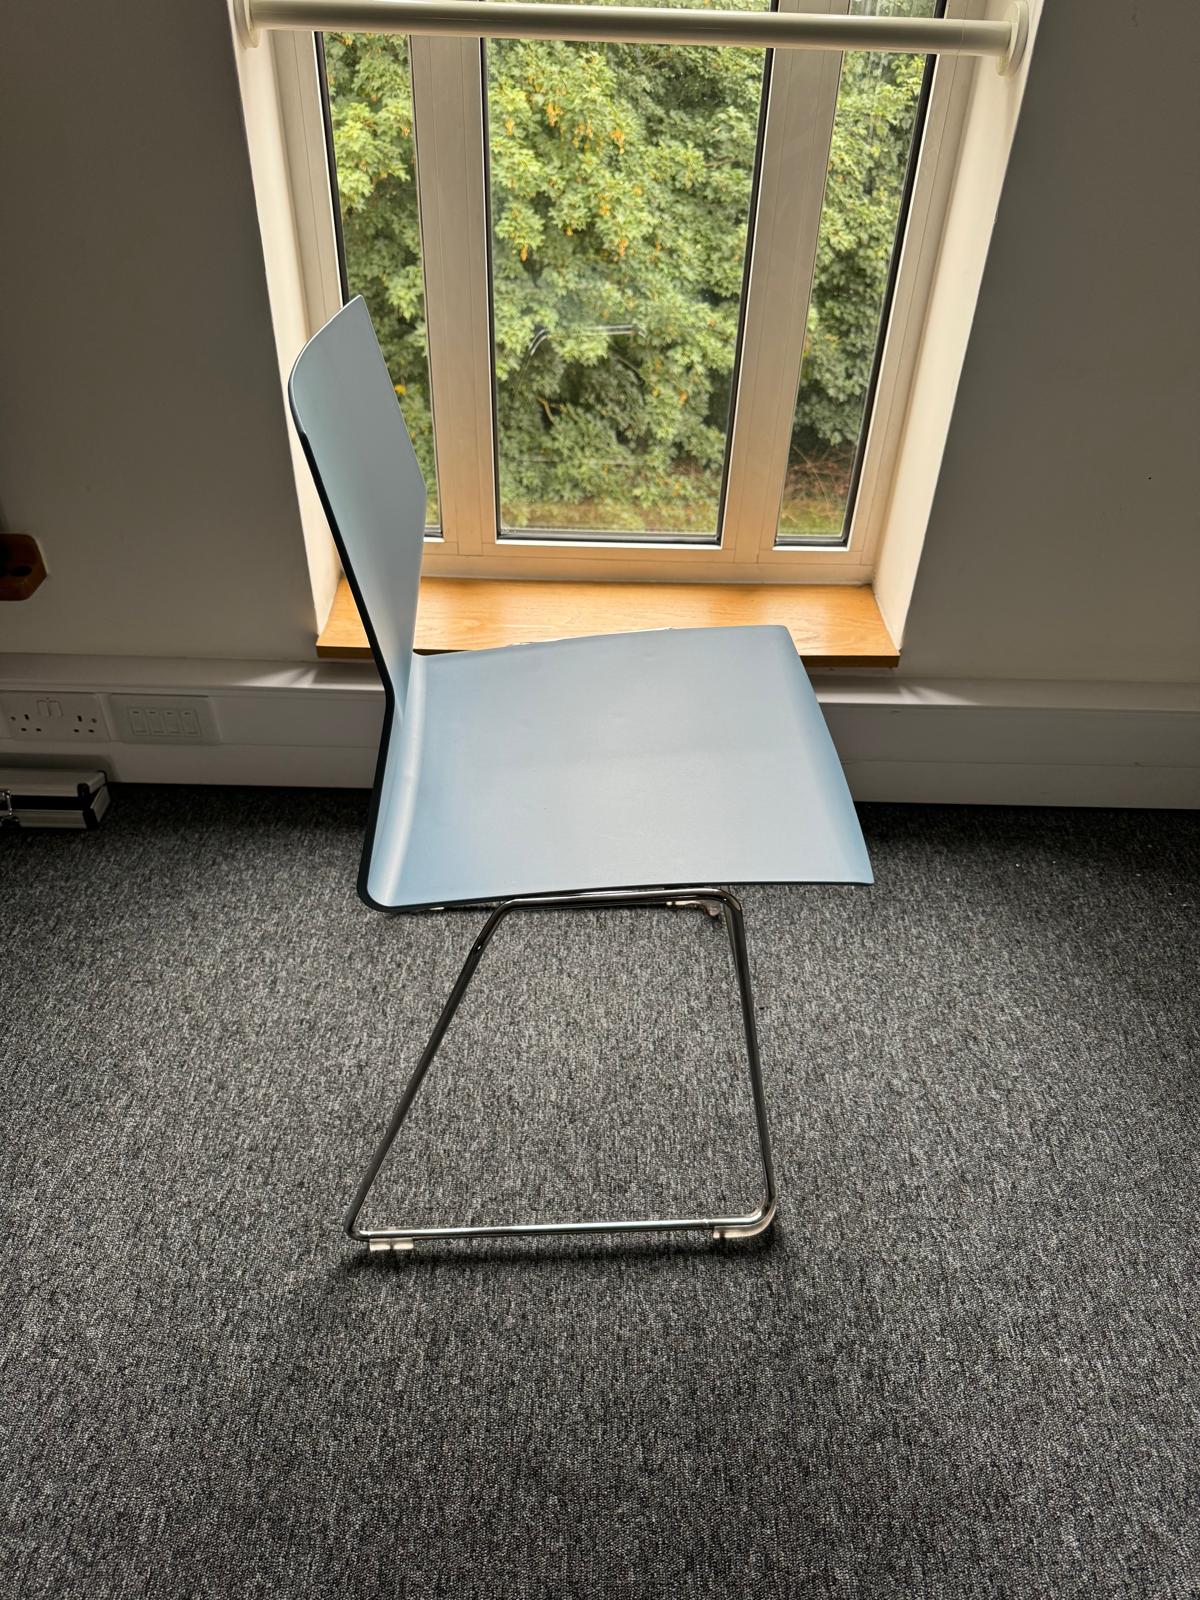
(448, 82)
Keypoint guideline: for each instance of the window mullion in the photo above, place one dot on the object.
(801, 103)
(310, 181)
(447, 89)
(940, 138)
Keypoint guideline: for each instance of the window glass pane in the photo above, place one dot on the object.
(370, 103)
(621, 178)
(878, 102)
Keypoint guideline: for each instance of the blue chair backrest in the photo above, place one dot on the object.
(353, 433)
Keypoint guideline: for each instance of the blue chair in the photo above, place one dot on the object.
(622, 770)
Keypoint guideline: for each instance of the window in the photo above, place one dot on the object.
(621, 182)
(651, 310)
(879, 105)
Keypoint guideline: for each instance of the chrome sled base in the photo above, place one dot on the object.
(717, 902)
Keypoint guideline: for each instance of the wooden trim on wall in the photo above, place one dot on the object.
(833, 625)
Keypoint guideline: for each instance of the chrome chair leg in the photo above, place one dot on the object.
(715, 902)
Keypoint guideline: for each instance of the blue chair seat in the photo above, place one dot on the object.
(663, 758)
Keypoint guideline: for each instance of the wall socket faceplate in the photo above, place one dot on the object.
(163, 718)
(48, 717)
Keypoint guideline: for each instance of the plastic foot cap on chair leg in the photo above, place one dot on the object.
(390, 1244)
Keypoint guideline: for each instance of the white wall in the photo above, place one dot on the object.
(142, 435)
(1065, 536)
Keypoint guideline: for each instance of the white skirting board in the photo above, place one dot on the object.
(1011, 742)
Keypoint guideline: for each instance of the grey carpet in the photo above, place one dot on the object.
(963, 1366)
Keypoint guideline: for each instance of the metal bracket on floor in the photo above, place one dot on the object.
(717, 902)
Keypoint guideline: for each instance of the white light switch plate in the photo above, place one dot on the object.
(163, 718)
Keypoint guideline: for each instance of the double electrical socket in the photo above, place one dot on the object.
(47, 718)
(74, 719)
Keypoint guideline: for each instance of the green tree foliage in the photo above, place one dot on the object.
(621, 178)
(868, 159)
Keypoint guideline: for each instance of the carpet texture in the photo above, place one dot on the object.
(963, 1365)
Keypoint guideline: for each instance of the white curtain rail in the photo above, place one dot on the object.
(773, 30)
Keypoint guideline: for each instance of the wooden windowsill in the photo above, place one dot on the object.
(833, 625)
